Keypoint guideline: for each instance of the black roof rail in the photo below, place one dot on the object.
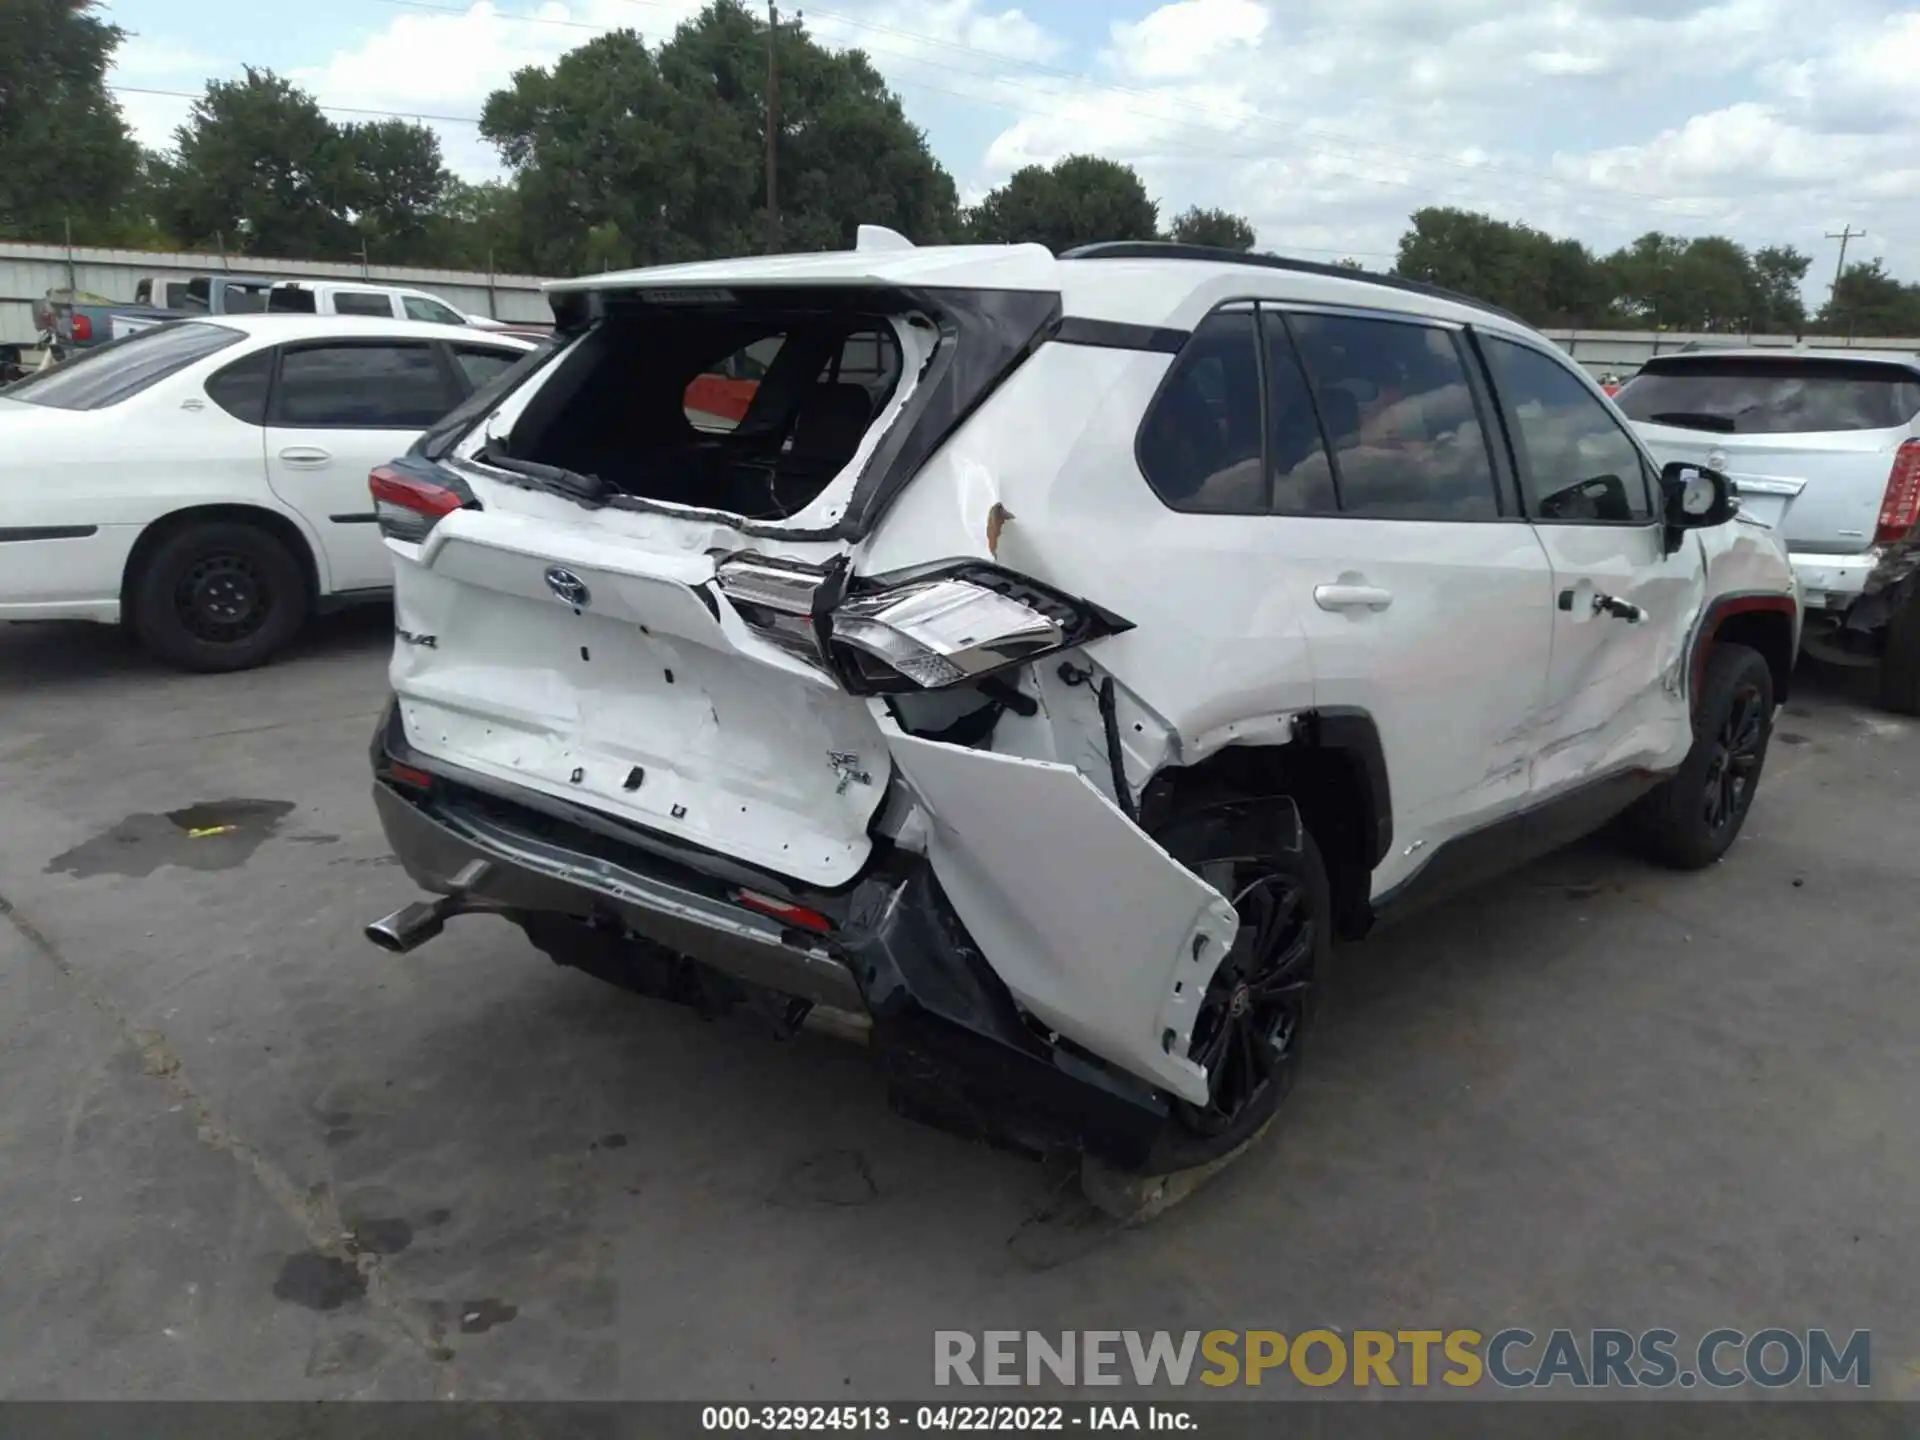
(1173, 250)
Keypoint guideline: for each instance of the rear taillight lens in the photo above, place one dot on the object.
(927, 630)
(82, 327)
(408, 506)
(1900, 505)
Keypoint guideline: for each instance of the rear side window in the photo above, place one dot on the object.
(1575, 458)
(480, 366)
(239, 301)
(121, 369)
(1760, 395)
(291, 300)
(1200, 446)
(1398, 411)
(370, 387)
(240, 389)
(362, 302)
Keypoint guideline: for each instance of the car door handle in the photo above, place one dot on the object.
(1607, 605)
(305, 457)
(1351, 597)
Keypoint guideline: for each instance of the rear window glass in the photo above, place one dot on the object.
(122, 368)
(750, 410)
(1771, 397)
(291, 300)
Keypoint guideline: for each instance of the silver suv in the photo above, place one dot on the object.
(1824, 447)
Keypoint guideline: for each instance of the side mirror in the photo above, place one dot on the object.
(1696, 499)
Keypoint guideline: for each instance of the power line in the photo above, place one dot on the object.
(337, 109)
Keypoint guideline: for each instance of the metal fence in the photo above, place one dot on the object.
(28, 272)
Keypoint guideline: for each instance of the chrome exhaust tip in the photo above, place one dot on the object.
(409, 927)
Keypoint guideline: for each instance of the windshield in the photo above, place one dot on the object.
(1765, 396)
(122, 368)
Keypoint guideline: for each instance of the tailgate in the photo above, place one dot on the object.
(577, 664)
(1821, 492)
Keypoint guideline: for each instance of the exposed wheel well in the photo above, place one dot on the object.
(276, 525)
(1332, 785)
(1768, 631)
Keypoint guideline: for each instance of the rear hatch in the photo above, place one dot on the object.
(569, 620)
(1810, 441)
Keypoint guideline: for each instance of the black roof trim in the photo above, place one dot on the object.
(1170, 250)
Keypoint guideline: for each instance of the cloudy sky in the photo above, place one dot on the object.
(1325, 121)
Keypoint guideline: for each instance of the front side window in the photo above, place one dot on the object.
(362, 302)
(122, 368)
(1200, 444)
(1578, 462)
(425, 307)
(1400, 415)
(371, 387)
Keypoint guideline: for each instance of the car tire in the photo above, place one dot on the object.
(1231, 844)
(1697, 812)
(219, 595)
(1900, 660)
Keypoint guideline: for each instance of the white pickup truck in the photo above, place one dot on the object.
(387, 302)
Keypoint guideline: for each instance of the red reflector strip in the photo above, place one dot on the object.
(797, 916)
(409, 775)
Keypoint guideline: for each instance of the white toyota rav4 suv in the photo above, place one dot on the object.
(1052, 661)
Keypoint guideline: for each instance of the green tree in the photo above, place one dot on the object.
(1778, 271)
(259, 168)
(65, 150)
(1868, 301)
(1079, 201)
(1219, 228)
(1545, 280)
(398, 187)
(629, 156)
(1666, 282)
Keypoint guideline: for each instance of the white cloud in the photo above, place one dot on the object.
(1185, 38)
(1325, 121)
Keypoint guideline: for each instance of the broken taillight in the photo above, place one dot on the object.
(1900, 505)
(927, 629)
(409, 505)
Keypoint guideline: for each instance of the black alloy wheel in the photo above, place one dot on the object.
(1734, 763)
(1254, 1011)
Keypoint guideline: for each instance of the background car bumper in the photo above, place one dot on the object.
(1833, 582)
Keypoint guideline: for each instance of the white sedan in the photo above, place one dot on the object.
(206, 480)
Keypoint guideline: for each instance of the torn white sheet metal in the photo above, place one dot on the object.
(639, 702)
(1094, 928)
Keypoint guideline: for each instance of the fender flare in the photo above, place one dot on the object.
(1352, 731)
(1718, 611)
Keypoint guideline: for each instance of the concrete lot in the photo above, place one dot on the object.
(1595, 1095)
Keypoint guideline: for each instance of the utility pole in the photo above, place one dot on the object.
(1847, 233)
(773, 128)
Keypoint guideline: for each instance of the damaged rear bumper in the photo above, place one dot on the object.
(956, 1048)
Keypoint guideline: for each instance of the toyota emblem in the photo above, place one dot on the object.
(569, 587)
